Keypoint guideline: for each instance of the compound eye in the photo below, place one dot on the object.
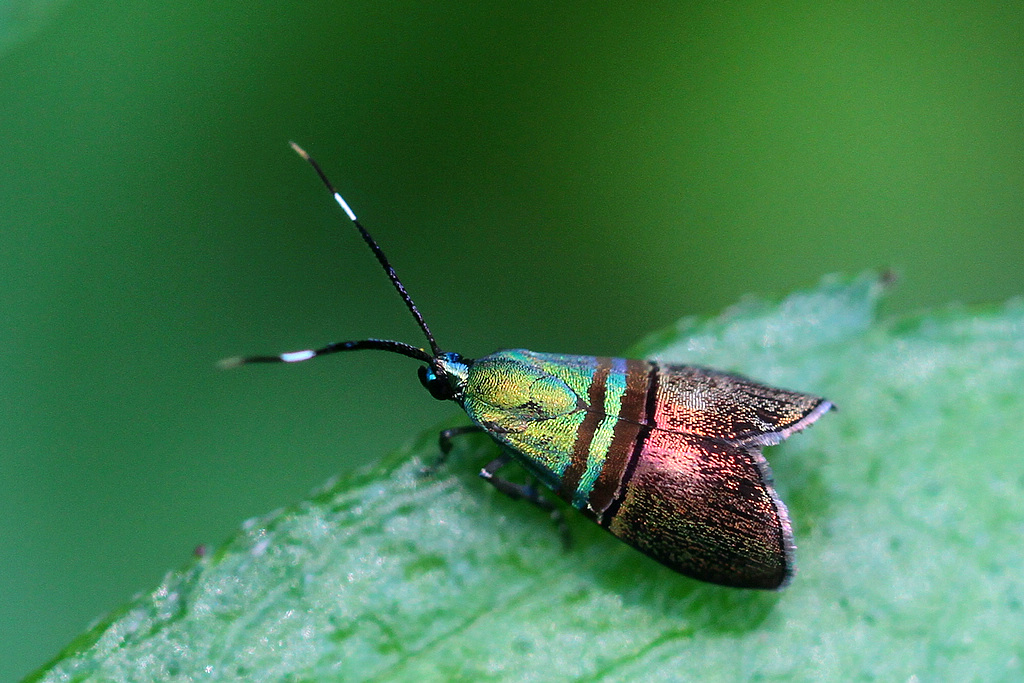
(438, 385)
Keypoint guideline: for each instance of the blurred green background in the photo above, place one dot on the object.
(559, 178)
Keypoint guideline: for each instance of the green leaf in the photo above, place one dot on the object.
(908, 507)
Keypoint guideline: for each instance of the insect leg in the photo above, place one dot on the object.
(444, 442)
(444, 439)
(527, 492)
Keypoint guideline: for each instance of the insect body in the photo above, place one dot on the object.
(665, 457)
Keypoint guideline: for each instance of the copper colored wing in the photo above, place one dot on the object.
(707, 509)
(718, 405)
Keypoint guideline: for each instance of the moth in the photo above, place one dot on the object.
(665, 457)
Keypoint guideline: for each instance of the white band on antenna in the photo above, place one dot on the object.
(343, 204)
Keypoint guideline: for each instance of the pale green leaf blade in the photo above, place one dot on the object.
(908, 506)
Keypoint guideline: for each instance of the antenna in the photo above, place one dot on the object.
(377, 344)
(374, 247)
(298, 356)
